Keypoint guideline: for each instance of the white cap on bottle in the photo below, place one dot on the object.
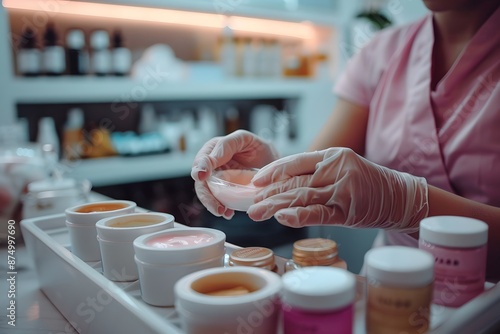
(99, 39)
(454, 231)
(75, 39)
(318, 288)
(399, 266)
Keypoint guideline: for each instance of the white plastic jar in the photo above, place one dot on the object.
(229, 300)
(81, 223)
(164, 257)
(116, 236)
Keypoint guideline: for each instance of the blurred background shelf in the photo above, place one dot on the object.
(115, 89)
(119, 170)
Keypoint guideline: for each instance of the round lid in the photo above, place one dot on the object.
(253, 257)
(75, 39)
(400, 266)
(51, 185)
(454, 231)
(99, 39)
(315, 251)
(318, 288)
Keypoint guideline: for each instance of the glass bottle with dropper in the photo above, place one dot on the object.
(315, 252)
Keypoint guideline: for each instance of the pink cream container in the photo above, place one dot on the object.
(458, 245)
(318, 300)
(164, 257)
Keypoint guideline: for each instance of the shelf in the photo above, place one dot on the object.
(120, 170)
(68, 89)
(264, 9)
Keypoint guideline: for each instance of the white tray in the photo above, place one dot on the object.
(94, 304)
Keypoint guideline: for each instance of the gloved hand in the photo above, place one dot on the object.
(338, 187)
(238, 150)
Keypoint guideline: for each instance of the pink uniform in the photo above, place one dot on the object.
(450, 136)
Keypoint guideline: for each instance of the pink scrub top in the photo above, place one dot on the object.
(450, 136)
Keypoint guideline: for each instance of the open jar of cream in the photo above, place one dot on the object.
(458, 245)
(229, 300)
(164, 257)
(81, 221)
(232, 187)
(116, 236)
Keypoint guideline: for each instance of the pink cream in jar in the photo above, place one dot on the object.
(180, 240)
(164, 257)
(458, 245)
(318, 300)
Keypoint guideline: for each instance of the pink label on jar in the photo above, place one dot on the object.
(298, 321)
(179, 240)
(459, 273)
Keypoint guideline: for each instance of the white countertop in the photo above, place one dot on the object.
(34, 312)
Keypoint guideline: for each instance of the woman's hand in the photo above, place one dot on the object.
(238, 150)
(338, 187)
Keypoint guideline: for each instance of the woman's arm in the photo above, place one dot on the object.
(445, 203)
(346, 127)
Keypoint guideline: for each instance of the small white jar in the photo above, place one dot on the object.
(229, 300)
(50, 197)
(116, 236)
(163, 258)
(81, 221)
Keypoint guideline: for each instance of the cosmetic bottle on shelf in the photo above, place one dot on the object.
(28, 55)
(121, 56)
(76, 54)
(53, 58)
(101, 56)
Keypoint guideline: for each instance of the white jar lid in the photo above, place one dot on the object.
(400, 266)
(318, 288)
(454, 231)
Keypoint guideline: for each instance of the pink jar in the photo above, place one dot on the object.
(458, 245)
(318, 300)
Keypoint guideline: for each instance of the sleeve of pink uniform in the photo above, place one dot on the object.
(355, 83)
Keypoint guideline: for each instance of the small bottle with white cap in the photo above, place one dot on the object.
(399, 290)
(318, 300)
(458, 245)
(101, 55)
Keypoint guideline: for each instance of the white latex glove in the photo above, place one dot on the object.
(238, 150)
(338, 187)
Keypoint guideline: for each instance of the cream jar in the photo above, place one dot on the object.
(315, 252)
(399, 290)
(164, 257)
(318, 300)
(458, 245)
(259, 257)
(116, 236)
(229, 300)
(81, 221)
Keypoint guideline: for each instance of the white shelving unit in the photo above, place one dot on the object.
(109, 89)
(314, 97)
